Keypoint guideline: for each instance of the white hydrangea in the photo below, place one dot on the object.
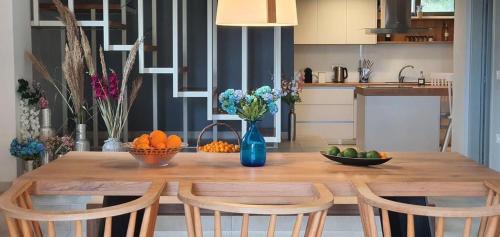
(29, 120)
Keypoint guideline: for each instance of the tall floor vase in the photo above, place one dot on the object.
(292, 122)
(81, 142)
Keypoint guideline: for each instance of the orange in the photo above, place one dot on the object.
(158, 139)
(157, 134)
(142, 146)
(174, 141)
(142, 141)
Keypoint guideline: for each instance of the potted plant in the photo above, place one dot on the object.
(251, 108)
(291, 94)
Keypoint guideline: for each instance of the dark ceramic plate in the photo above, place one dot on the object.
(356, 161)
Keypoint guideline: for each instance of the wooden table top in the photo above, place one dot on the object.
(408, 174)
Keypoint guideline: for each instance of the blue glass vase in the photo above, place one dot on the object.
(253, 147)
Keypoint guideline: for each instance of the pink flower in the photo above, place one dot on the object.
(114, 90)
(43, 102)
(100, 90)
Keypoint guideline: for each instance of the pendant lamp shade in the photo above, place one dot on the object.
(256, 13)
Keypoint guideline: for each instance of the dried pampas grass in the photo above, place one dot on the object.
(87, 52)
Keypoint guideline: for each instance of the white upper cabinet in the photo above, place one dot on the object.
(331, 21)
(361, 14)
(335, 21)
(308, 18)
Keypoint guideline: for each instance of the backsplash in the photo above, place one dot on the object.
(389, 59)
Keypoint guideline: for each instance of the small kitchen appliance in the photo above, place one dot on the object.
(339, 74)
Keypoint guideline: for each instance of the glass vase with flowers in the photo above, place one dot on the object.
(251, 107)
(291, 94)
(111, 95)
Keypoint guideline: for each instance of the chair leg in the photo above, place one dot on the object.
(447, 137)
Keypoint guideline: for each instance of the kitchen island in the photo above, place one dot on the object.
(399, 117)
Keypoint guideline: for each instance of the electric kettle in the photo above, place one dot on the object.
(339, 74)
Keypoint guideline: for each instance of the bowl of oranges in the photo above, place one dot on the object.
(218, 146)
(155, 149)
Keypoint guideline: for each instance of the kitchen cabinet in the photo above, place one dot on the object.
(326, 114)
(335, 21)
(308, 19)
(361, 14)
(331, 28)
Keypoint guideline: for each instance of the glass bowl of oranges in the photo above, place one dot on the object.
(218, 146)
(155, 149)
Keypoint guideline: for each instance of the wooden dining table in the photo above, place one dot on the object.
(407, 174)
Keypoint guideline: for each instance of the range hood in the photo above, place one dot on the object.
(397, 18)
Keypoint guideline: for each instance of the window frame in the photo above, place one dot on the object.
(418, 2)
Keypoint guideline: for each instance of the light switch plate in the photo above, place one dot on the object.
(498, 75)
(498, 138)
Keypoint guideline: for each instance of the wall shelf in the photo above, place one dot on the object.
(435, 25)
(433, 18)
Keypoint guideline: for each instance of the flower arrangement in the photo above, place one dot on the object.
(43, 102)
(30, 149)
(292, 89)
(73, 66)
(110, 92)
(28, 110)
(29, 93)
(250, 107)
(59, 145)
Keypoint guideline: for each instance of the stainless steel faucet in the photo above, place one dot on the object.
(401, 79)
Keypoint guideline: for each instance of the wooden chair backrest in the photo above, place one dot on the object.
(23, 220)
(489, 215)
(443, 79)
(269, 199)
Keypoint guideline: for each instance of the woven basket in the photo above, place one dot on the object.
(154, 157)
(198, 145)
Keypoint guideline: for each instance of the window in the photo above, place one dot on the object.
(434, 7)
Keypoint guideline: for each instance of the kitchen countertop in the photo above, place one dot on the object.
(387, 88)
(401, 90)
(346, 84)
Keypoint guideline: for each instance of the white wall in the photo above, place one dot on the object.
(460, 133)
(389, 59)
(14, 40)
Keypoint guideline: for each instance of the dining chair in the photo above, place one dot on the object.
(263, 199)
(445, 79)
(24, 220)
(488, 215)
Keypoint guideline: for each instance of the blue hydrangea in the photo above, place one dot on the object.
(277, 93)
(29, 149)
(233, 101)
(268, 97)
(249, 98)
(263, 90)
(272, 107)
